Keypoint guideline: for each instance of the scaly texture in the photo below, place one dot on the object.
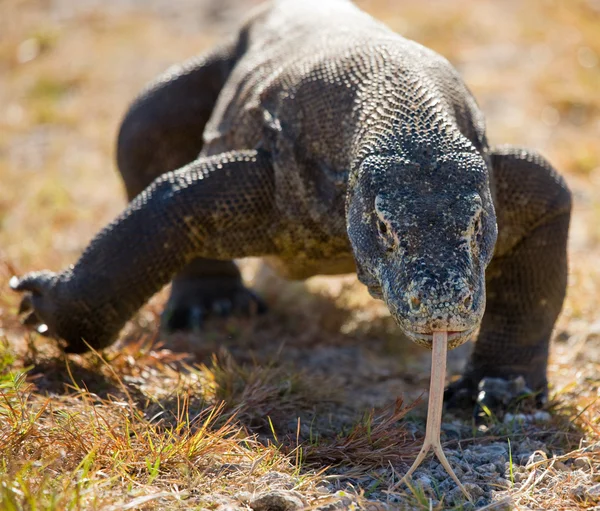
(329, 144)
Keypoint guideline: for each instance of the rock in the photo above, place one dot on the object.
(520, 477)
(501, 464)
(501, 483)
(276, 481)
(277, 500)
(582, 463)
(344, 502)
(455, 495)
(491, 453)
(503, 504)
(539, 416)
(243, 496)
(447, 485)
(480, 502)
(593, 493)
(509, 418)
(542, 416)
(488, 468)
(456, 462)
(579, 493)
(228, 468)
(424, 481)
(536, 457)
(528, 446)
(325, 488)
(375, 506)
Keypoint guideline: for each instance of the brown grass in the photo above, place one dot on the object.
(286, 401)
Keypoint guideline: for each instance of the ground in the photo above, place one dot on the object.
(302, 407)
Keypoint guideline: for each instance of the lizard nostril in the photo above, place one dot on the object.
(468, 301)
(415, 303)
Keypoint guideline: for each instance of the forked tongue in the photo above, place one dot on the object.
(434, 411)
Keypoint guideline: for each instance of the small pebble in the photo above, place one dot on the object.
(542, 416)
(582, 463)
(520, 477)
(374, 506)
(244, 497)
(593, 493)
(539, 416)
(500, 464)
(501, 483)
(276, 480)
(481, 501)
(579, 493)
(514, 417)
(536, 457)
(487, 468)
(424, 481)
(456, 495)
(456, 462)
(277, 500)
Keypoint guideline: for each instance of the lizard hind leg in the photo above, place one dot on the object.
(208, 288)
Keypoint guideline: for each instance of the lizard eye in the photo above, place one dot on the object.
(478, 227)
(477, 234)
(385, 235)
(382, 228)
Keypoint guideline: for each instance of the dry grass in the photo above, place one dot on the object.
(271, 403)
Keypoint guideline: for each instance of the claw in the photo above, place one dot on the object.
(434, 412)
(43, 330)
(29, 282)
(31, 320)
(259, 305)
(26, 305)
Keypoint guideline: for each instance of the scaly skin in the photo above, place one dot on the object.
(324, 142)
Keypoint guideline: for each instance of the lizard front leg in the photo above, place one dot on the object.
(161, 132)
(526, 281)
(219, 207)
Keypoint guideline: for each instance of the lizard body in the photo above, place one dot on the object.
(321, 140)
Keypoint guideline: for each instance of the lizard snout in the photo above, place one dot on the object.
(435, 305)
(453, 306)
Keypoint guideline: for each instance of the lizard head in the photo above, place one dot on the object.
(422, 236)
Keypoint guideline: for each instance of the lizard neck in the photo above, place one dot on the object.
(421, 145)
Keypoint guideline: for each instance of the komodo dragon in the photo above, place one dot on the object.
(324, 142)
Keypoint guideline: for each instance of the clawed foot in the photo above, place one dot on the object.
(52, 305)
(193, 301)
(490, 396)
(37, 308)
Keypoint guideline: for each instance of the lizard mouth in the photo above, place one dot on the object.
(455, 337)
